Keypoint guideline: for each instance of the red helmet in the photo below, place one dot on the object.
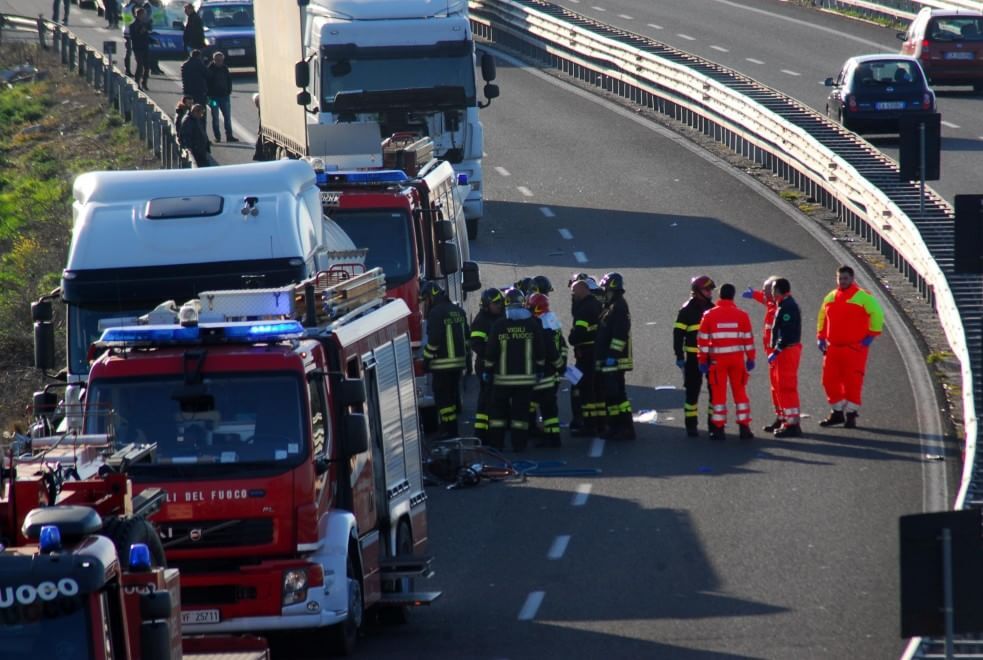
(538, 304)
(701, 282)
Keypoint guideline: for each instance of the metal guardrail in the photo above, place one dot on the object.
(155, 127)
(900, 10)
(840, 170)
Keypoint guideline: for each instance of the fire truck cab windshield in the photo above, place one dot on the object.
(388, 237)
(230, 419)
(58, 628)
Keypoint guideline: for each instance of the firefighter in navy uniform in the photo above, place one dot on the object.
(492, 308)
(684, 346)
(544, 392)
(445, 354)
(586, 310)
(515, 359)
(613, 357)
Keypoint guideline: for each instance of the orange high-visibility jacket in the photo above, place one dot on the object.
(770, 308)
(848, 315)
(725, 330)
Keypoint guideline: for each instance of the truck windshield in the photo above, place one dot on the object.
(83, 328)
(53, 629)
(387, 236)
(439, 67)
(233, 419)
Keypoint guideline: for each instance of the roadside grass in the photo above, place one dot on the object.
(51, 131)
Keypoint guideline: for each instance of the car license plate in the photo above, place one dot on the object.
(233, 52)
(191, 617)
(959, 55)
(890, 105)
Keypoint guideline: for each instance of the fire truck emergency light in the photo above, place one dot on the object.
(242, 331)
(261, 331)
(139, 557)
(49, 539)
(368, 177)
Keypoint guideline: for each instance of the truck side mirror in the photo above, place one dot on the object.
(155, 605)
(44, 335)
(302, 74)
(304, 98)
(351, 392)
(356, 434)
(472, 280)
(450, 258)
(902, 36)
(487, 67)
(444, 229)
(491, 91)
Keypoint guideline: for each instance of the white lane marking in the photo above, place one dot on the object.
(949, 124)
(525, 191)
(753, 61)
(626, 17)
(503, 171)
(598, 8)
(806, 24)
(559, 547)
(789, 72)
(547, 211)
(596, 448)
(654, 26)
(565, 233)
(580, 257)
(580, 497)
(685, 36)
(531, 606)
(720, 48)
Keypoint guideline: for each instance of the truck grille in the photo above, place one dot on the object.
(216, 533)
(220, 594)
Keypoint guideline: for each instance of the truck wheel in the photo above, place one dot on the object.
(472, 224)
(404, 546)
(345, 634)
(124, 532)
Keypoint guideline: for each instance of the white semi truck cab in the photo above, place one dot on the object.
(406, 65)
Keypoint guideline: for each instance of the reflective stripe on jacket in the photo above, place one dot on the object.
(516, 352)
(614, 337)
(725, 330)
(447, 331)
(848, 315)
(687, 324)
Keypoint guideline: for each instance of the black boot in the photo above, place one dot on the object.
(789, 431)
(851, 421)
(691, 427)
(835, 417)
(745, 432)
(717, 433)
(774, 426)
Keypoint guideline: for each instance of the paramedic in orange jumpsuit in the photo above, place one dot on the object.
(783, 357)
(766, 297)
(849, 320)
(726, 353)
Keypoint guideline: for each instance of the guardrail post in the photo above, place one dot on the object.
(158, 128)
(81, 58)
(41, 30)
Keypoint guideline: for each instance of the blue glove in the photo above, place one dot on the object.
(748, 293)
(610, 362)
(868, 340)
(773, 356)
(750, 365)
(681, 363)
(486, 377)
(822, 346)
(704, 368)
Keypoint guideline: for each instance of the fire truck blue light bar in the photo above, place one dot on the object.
(150, 334)
(264, 331)
(372, 176)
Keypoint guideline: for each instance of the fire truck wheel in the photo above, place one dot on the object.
(124, 532)
(345, 634)
(404, 547)
(472, 224)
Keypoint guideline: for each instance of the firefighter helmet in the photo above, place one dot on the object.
(524, 285)
(430, 290)
(542, 284)
(539, 303)
(592, 284)
(489, 296)
(515, 298)
(577, 277)
(612, 282)
(701, 282)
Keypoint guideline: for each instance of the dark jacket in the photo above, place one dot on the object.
(614, 337)
(516, 352)
(586, 313)
(194, 31)
(787, 327)
(555, 357)
(194, 79)
(219, 80)
(481, 327)
(194, 138)
(687, 326)
(447, 333)
(140, 35)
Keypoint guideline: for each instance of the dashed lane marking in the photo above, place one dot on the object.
(565, 233)
(596, 448)
(580, 257)
(503, 171)
(685, 36)
(559, 547)
(525, 191)
(720, 48)
(789, 72)
(654, 26)
(531, 606)
(547, 211)
(753, 61)
(580, 497)
(626, 17)
(598, 8)
(949, 124)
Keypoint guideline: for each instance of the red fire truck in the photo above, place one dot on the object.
(81, 569)
(414, 228)
(289, 450)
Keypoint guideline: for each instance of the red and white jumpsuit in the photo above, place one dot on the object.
(846, 317)
(726, 342)
(770, 306)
